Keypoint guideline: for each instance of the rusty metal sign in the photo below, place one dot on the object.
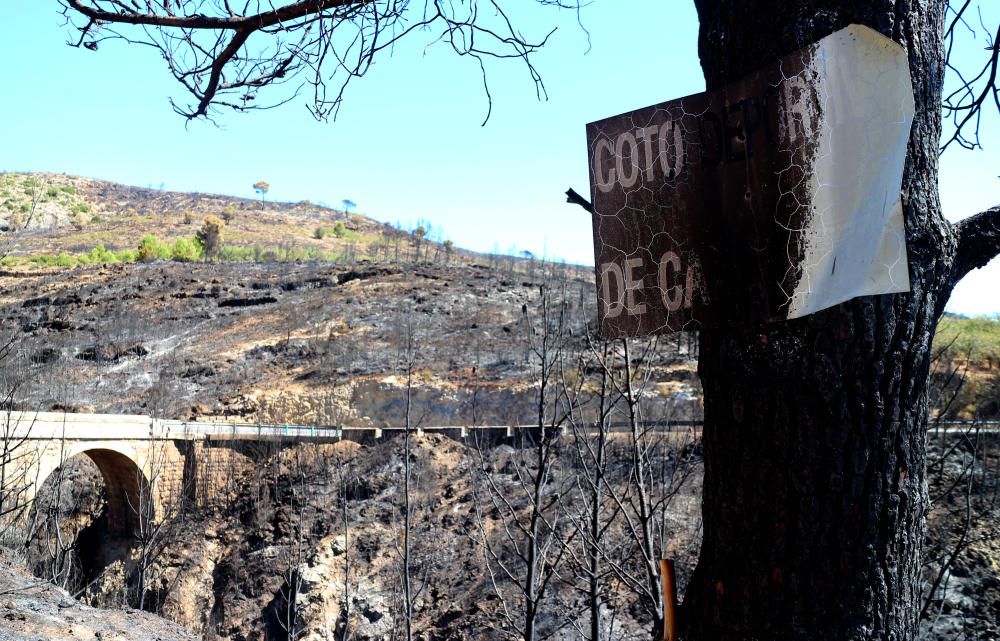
(771, 198)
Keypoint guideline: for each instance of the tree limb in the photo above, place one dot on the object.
(978, 242)
(964, 105)
(213, 81)
(230, 59)
(576, 199)
(260, 20)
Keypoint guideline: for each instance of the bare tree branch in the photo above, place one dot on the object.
(224, 59)
(963, 105)
(576, 199)
(111, 11)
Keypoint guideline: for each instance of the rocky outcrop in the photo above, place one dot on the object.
(31, 610)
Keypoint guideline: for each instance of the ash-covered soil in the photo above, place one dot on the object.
(34, 610)
(306, 542)
(307, 343)
(324, 523)
(961, 600)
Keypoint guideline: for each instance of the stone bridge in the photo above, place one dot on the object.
(149, 464)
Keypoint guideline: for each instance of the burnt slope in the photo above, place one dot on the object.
(286, 342)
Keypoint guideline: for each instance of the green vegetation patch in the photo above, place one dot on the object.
(97, 256)
(974, 339)
(337, 231)
(184, 249)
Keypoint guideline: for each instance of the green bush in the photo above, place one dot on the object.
(151, 249)
(338, 230)
(183, 249)
(101, 255)
(187, 250)
(81, 208)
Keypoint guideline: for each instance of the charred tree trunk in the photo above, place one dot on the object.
(814, 494)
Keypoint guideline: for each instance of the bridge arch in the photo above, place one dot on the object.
(126, 485)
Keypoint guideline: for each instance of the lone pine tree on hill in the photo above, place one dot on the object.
(261, 187)
(814, 493)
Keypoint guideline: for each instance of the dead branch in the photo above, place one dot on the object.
(225, 57)
(963, 106)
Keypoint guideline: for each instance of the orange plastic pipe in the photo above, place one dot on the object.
(669, 600)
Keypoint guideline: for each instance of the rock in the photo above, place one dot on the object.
(46, 355)
(247, 302)
(112, 352)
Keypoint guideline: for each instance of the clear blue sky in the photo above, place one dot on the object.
(408, 144)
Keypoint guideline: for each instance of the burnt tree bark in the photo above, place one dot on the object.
(814, 494)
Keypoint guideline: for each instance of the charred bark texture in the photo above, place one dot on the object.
(814, 494)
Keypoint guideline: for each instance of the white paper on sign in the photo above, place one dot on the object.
(854, 243)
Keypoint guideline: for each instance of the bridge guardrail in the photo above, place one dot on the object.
(55, 425)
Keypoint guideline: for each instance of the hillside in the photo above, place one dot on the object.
(275, 337)
(966, 369)
(315, 339)
(44, 215)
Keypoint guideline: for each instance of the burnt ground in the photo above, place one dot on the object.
(33, 610)
(309, 343)
(305, 523)
(961, 599)
(315, 521)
